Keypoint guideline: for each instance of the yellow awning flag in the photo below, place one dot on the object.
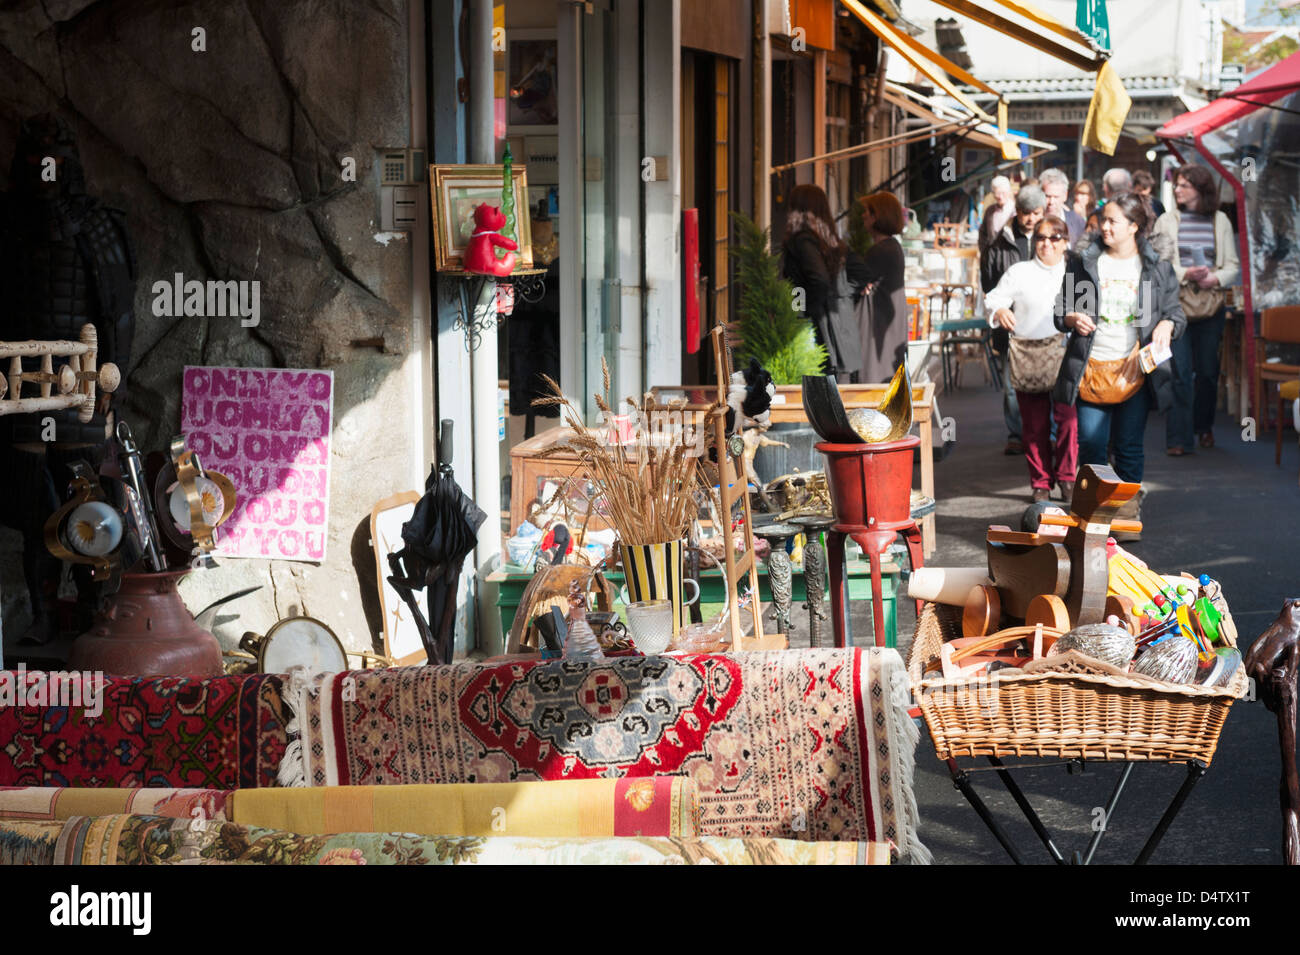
(1107, 112)
(1010, 148)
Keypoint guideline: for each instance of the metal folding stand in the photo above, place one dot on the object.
(961, 780)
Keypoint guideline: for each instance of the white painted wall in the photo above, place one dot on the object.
(663, 200)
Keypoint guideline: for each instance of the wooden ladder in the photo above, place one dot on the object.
(733, 486)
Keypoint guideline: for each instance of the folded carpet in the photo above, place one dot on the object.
(50, 803)
(222, 733)
(809, 744)
(157, 840)
(662, 806)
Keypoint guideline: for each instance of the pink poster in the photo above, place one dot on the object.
(268, 430)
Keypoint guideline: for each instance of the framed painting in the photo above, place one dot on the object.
(532, 104)
(456, 192)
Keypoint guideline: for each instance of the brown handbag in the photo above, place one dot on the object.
(1200, 302)
(1111, 382)
(1035, 363)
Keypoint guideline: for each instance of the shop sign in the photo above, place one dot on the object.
(268, 430)
(1155, 113)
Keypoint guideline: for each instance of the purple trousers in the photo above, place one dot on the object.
(1048, 461)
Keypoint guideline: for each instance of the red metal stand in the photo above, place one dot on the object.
(871, 491)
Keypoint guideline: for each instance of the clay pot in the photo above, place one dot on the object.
(145, 630)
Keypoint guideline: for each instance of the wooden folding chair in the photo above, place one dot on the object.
(733, 489)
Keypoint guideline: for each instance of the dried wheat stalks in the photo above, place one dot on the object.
(649, 489)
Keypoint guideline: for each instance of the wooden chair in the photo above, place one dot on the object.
(961, 340)
(947, 235)
(733, 491)
(1280, 325)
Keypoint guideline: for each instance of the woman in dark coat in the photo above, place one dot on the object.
(1117, 296)
(831, 276)
(884, 335)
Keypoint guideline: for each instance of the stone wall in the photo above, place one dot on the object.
(228, 163)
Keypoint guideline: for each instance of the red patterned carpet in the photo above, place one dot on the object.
(810, 745)
(223, 733)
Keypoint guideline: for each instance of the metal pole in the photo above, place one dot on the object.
(1195, 770)
(1039, 829)
(762, 116)
(961, 781)
(483, 361)
(1105, 819)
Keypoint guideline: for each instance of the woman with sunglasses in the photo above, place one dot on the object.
(1116, 297)
(1022, 303)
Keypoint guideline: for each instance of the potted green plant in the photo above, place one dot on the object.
(773, 331)
(769, 326)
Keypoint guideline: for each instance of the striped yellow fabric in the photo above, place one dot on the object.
(663, 806)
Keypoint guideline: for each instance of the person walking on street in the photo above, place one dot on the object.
(1008, 247)
(997, 213)
(884, 328)
(1203, 253)
(1116, 182)
(1143, 184)
(1022, 303)
(815, 259)
(1083, 200)
(1116, 296)
(1056, 187)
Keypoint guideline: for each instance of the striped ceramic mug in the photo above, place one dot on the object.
(654, 572)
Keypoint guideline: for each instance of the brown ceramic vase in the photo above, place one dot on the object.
(145, 630)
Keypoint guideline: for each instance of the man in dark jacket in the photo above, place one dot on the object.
(1013, 244)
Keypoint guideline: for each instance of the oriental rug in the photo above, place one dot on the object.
(801, 744)
(155, 840)
(661, 806)
(221, 733)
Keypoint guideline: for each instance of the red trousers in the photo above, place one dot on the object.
(1048, 461)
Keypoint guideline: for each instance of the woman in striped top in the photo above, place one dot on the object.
(1204, 257)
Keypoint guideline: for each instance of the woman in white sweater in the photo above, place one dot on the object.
(1022, 303)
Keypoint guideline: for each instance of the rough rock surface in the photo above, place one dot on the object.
(228, 165)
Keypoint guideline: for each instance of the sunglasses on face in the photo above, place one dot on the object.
(1049, 237)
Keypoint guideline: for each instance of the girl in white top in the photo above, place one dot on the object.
(1023, 302)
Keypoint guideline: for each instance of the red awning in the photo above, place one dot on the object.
(1268, 87)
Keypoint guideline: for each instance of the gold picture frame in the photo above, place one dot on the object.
(459, 189)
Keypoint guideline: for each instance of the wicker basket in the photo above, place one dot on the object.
(1094, 711)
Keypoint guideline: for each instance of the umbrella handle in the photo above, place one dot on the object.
(445, 445)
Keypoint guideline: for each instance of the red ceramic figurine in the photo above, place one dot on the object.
(480, 256)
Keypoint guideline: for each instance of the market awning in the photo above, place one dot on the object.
(1267, 87)
(1071, 44)
(1078, 50)
(1260, 92)
(945, 117)
(940, 118)
(933, 65)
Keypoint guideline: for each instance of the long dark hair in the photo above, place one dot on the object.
(808, 208)
(1207, 190)
(1135, 209)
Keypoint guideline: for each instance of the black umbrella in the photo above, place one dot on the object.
(439, 535)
